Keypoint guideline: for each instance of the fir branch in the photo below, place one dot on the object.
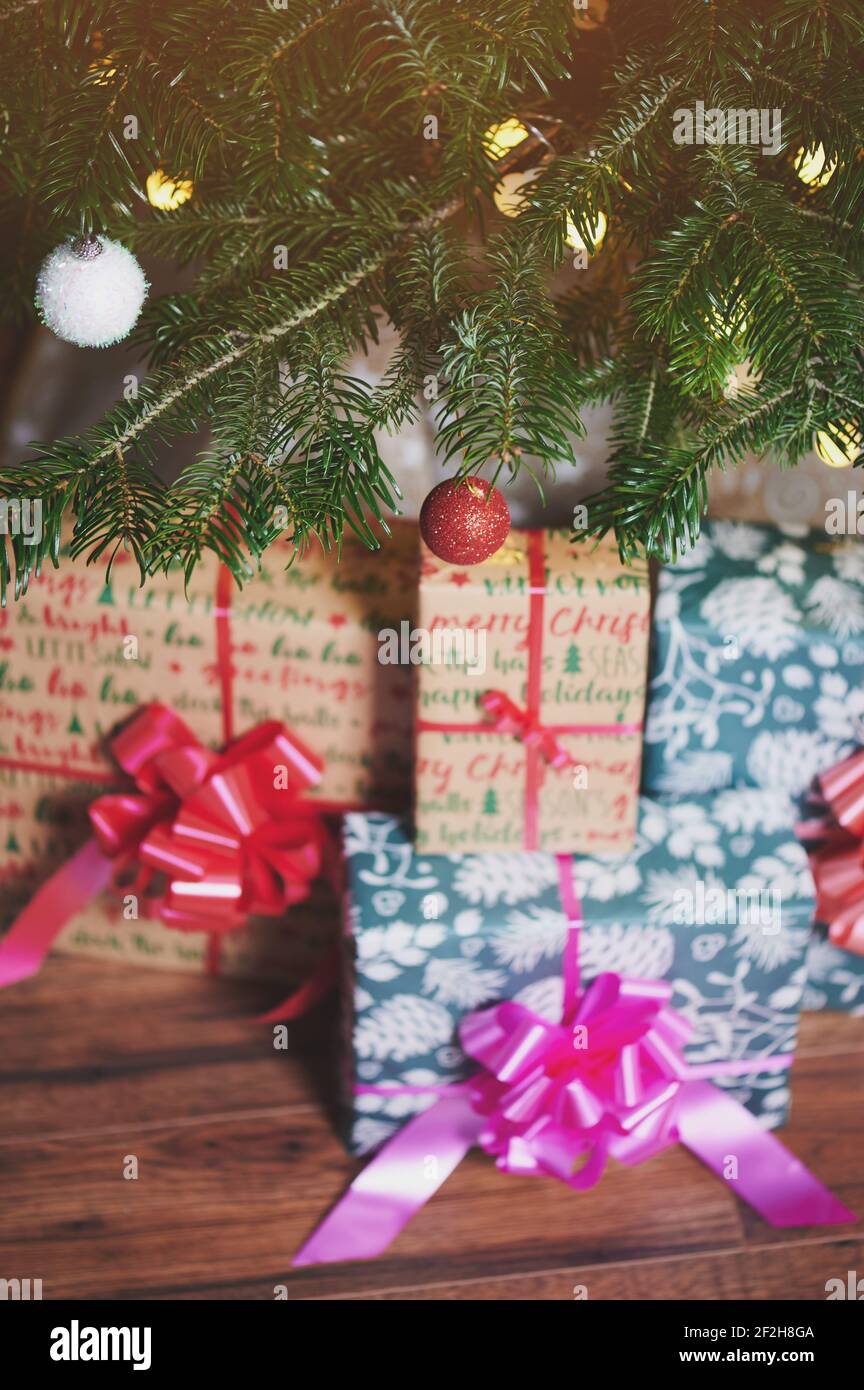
(308, 132)
(511, 393)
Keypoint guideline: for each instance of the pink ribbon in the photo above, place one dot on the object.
(837, 856)
(508, 718)
(560, 1099)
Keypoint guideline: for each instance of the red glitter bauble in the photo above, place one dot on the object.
(464, 521)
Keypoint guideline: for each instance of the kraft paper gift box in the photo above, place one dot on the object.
(536, 744)
(45, 820)
(431, 938)
(757, 661)
(300, 644)
(80, 654)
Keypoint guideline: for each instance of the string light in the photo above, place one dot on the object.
(499, 140)
(167, 193)
(811, 166)
(589, 14)
(731, 320)
(842, 452)
(508, 195)
(509, 198)
(598, 234)
(742, 374)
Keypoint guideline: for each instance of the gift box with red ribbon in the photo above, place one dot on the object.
(833, 832)
(47, 820)
(835, 977)
(82, 652)
(201, 845)
(530, 698)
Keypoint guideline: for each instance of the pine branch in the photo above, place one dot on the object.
(328, 140)
(511, 392)
(655, 499)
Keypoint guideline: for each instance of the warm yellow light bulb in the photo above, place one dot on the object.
(167, 193)
(501, 139)
(742, 374)
(840, 454)
(598, 233)
(508, 195)
(811, 166)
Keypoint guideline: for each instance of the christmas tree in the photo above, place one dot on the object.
(572, 661)
(490, 803)
(320, 164)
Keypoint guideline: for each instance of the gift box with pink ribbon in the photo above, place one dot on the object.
(716, 909)
(530, 698)
(562, 1012)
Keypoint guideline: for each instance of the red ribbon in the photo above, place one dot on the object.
(228, 831)
(228, 841)
(837, 859)
(540, 740)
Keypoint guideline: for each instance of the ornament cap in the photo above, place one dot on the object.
(86, 247)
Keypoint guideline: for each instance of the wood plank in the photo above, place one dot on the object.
(217, 1203)
(238, 1161)
(94, 1045)
(798, 1272)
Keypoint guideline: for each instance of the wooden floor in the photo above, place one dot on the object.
(237, 1159)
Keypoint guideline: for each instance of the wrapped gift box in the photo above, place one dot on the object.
(555, 632)
(45, 820)
(288, 950)
(835, 977)
(79, 654)
(429, 938)
(757, 660)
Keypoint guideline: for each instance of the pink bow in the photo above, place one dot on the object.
(609, 1080)
(838, 862)
(226, 829)
(602, 1085)
(508, 718)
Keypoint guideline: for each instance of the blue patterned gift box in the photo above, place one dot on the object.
(835, 978)
(757, 663)
(430, 938)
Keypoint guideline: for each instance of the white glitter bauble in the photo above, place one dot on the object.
(90, 291)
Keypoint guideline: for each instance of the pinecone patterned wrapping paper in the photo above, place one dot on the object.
(429, 938)
(835, 977)
(757, 661)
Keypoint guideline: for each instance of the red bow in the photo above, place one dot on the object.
(226, 829)
(510, 719)
(838, 863)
